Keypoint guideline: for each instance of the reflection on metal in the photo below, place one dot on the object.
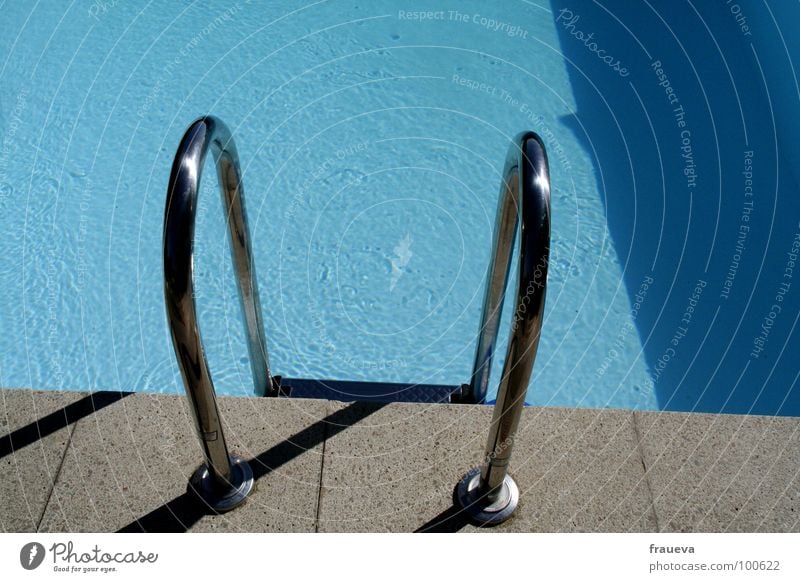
(490, 495)
(224, 481)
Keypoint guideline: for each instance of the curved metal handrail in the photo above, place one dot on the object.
(490, 495)
(225, 480)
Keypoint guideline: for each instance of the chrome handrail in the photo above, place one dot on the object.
(489, 494)
(225, 480)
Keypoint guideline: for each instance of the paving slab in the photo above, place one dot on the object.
(395, 467)
(283, 439)
(34, 432)
(111, 461)
(127, 467)
(580, 470)
(722, 473)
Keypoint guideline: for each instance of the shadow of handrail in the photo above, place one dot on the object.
(451, 520)
(55, 421)
(181, 513)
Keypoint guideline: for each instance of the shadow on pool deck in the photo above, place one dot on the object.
(183, 512)
(47, 425)
(581, 470)
(451, 520)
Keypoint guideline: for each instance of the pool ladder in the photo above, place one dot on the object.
(488, 494)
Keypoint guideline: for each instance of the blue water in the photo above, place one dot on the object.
(372, 140)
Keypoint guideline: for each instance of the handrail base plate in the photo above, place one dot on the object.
(484, 509)
(203, 485)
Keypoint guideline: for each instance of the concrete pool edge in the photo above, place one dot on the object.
(113, 461)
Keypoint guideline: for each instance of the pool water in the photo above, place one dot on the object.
(372, 137)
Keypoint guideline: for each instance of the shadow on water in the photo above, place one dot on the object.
(717, 322)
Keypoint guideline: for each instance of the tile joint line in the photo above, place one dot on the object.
(325, 435)
(70, 431)
(644, 466)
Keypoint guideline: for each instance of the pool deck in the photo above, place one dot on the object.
(111, 461)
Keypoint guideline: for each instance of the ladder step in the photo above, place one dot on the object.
(351, 391)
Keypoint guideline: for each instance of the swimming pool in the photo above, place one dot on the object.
(372, 137)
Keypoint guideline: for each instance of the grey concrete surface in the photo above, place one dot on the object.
(578, 470)
(721, 473)
(31, 453)
(122, 462)
(128, 465)
(283, 441)
(393, 467)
